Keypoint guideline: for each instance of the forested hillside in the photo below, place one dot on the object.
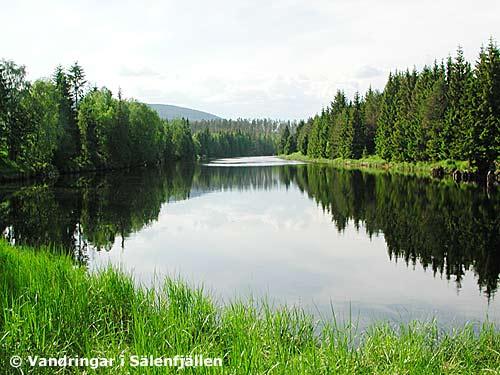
(450, 110)
(171, 112)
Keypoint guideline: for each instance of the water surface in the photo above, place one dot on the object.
(376, 246)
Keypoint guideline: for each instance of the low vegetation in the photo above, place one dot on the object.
(50, 307)
(375, 162)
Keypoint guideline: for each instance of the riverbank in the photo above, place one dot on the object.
(445, 168)
(52, 308)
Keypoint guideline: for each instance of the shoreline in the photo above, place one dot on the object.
(458, 171)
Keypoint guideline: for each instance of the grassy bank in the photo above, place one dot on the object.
(377, 163)
(52, 308)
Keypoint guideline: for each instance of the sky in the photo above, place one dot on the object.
(281, 59)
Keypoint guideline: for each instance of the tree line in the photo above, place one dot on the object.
(252, 126)
(450, 110)
(234, 143)
(62, 124)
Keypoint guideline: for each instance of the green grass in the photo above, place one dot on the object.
(375, 163)
(50, 307)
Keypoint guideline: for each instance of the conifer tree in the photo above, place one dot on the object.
(372, 104)
(285, 134)
(387, 119)
(455, 126)
(358, 127)
(483, 141)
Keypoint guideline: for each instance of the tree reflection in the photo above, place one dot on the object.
(442, 226)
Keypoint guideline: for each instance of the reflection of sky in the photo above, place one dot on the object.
(278, 243)
(252, 161)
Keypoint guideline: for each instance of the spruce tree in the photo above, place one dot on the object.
(371, 114)
(387, 119)
(483, 140)
(455, 126)
(358, 128)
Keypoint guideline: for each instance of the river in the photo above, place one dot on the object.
(363, 246)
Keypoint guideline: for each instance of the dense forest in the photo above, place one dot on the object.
(445, 111)
(234, 143)
(252, 126)
(450, 110)
(63, 124)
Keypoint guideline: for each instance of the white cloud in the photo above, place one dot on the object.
(256, 58)
(369, 72)
(140, 72)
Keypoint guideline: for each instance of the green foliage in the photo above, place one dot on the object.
(69, 145)
(147, 134)
(483, 136)
(447, 111)
(285, 134)
(15, 121)
(62, 124)
(459, 78)
(43, 107)
(96, 117)
(234, 143)
(303, 136)
(182, 141)
(249, 126)
(52, 308)
(371, 105)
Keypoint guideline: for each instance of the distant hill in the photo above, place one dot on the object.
(169, 112)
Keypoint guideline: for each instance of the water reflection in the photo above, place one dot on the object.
(443, 227)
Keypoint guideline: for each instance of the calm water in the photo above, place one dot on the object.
(377, 246)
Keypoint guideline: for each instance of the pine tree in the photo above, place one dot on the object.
(303, 137)
(358, 127)
(399, 137)
(285, 134)
(387, 119)
(455, 127)
(483, 139)
(313, 149)
(76, 80)
(337, 121)
(70, 144)
(346, 130)
(371, 112)
(434, 116)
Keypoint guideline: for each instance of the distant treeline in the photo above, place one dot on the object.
(446, 111)
(63, 124)
(234, 143)
(252, 126)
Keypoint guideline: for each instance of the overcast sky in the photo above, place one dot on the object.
(252, 58)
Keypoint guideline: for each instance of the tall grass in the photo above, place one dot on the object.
(52, 308)
(375, 163)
